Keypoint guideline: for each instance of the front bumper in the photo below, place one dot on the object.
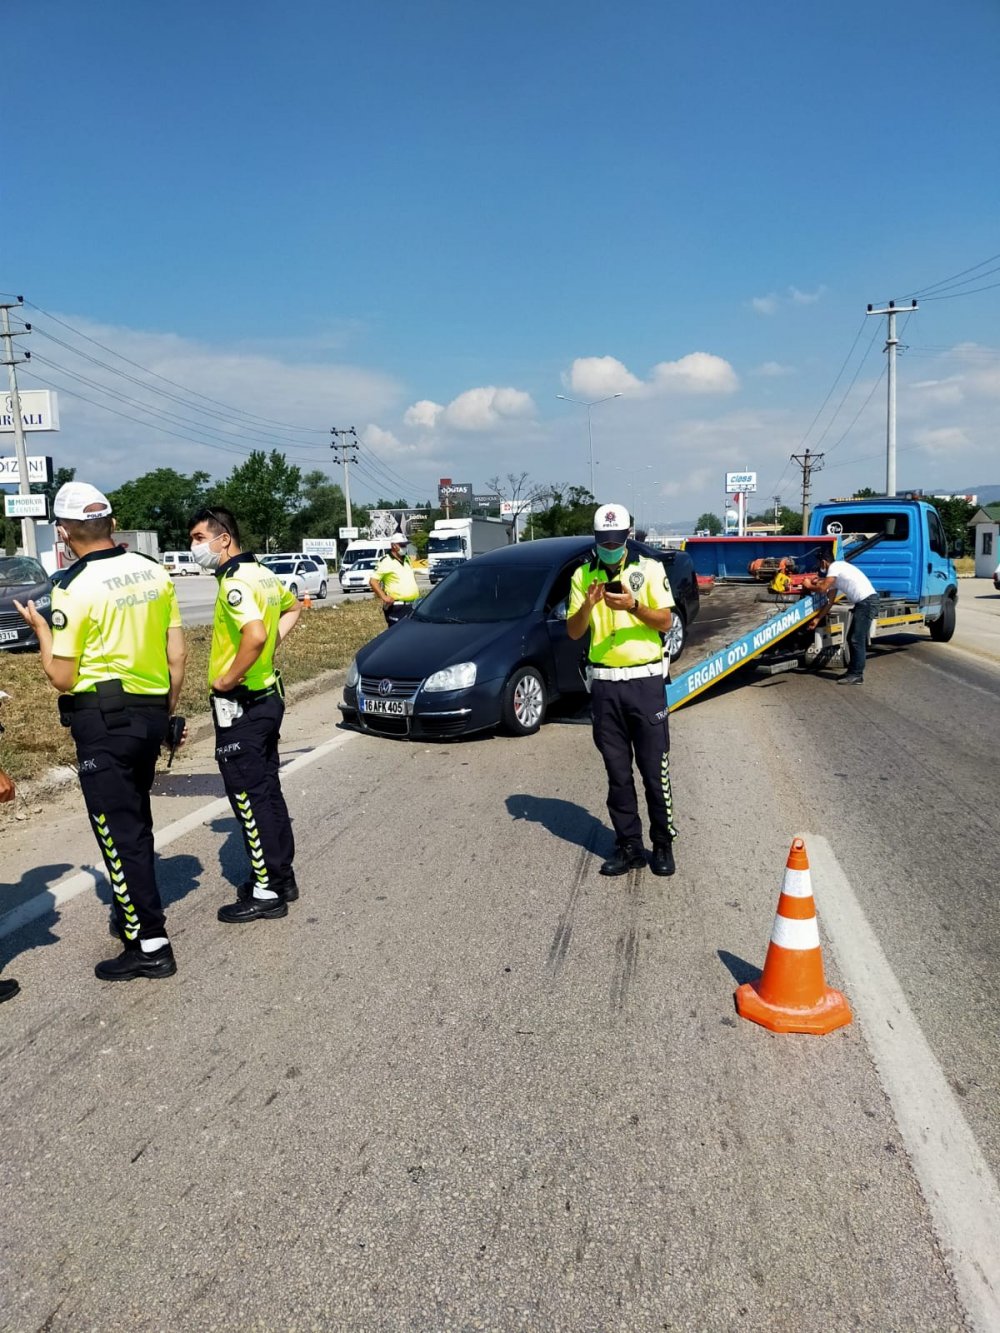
(434, 715)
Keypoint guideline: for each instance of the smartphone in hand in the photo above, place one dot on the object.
(613, 586)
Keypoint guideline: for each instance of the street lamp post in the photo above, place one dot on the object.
(630, 473)
(590, 430)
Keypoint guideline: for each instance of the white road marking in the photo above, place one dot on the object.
(960, 1189)
(87, 880)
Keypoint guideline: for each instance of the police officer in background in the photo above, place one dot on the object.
(624, 600)
(115, 653)
(394, 582)
(254, 612)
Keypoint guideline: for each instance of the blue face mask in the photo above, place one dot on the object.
(610, 555)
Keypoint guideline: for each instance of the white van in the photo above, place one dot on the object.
(373, 548)
(178, 563)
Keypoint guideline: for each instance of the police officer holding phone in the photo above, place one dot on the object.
(254, 612)
(115, 652)
(624, 600)
(394, 582)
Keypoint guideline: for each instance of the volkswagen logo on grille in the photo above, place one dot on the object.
(385, 687)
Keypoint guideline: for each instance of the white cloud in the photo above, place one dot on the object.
(424, 414)
(598, 376)
(942, 440)
(698, 372)
(773, 301)
(772, 370)
(798, 297)
(941, 393)
(765, 305)
(383, 440)
(480, 409)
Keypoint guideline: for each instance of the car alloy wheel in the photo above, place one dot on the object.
(322, 592)
(523, 702)
(676, 635)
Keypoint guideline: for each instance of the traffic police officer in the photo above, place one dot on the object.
(253, 614)
(116, 654)
(624, 600)
(394, 582)
(8, 988)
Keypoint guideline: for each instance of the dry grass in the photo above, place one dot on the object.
(34, 740)
(965, 566)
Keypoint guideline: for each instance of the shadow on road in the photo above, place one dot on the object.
(563, 819)
(38, 933)
(740, 970)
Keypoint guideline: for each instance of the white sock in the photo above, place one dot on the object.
(259, 892)
(151, 946)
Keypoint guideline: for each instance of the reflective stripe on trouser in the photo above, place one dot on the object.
(117, 765)
(247, 753)
(626, 729)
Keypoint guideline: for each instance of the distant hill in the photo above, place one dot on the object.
(988, 495)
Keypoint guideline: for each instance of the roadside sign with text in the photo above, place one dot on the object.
(39, 469)
(39, 410)
(26, 506)
(348, 534)
(486, 501)
(741, 481)
(321, 546)
(455, 492)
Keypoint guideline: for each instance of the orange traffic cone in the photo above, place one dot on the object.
(791, 994)
(307, 602)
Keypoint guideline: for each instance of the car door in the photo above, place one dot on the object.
(568, 655)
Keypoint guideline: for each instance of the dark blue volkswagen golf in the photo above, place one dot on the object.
(488, 646)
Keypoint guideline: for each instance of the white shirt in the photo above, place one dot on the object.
(850, 580)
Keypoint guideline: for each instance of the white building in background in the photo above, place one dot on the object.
(986, 524)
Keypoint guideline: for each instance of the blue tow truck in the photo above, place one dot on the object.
(759, 613)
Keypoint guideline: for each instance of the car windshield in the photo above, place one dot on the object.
(479, 594)
(281, 567)
(20, 570)
(440, 545)
(360, 566)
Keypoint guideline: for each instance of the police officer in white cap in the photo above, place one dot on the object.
(394, 583)
(115, 652)
(623, 598)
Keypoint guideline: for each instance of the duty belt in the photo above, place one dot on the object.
(109, 698)
(628, 672)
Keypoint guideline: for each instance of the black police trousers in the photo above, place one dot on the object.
(247, 753)
(117, 764)
(630, 723)
(396, 611)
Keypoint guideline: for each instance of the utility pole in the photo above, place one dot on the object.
(891, 343)
(809, 463)
(777, 510)
(345, 453)
(9, 360)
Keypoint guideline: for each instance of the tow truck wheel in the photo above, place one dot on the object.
(943, 628)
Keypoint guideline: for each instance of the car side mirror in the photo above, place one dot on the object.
(560, 611)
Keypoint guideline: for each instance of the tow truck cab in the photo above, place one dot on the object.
(907, 557)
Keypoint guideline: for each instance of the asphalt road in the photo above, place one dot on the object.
(468, 1083)
(196, 596)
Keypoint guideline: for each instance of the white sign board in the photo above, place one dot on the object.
(325, 547)
(348, 534)
(39, 410)
(509, 508)
(38, 470)
(26, 506)
(741, 481)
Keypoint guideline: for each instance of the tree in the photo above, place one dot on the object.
(265, 494)
(161, 501)
(710, 523)
(323, 512)
(956, 515)
(519, 488)
(569, 513)
(866, 493)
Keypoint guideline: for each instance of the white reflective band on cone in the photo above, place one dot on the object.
(797, 884)
(795, 934)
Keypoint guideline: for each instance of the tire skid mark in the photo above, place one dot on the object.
(626, 947)
(559, 947)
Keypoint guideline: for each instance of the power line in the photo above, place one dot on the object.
(971, 292)
(921, 292)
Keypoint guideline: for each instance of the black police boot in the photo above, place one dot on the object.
(288, 887)
(253, 909)
(134, 963)
(662, 860)
(8, 989)
(628, 856)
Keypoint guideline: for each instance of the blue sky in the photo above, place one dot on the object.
(427, 220)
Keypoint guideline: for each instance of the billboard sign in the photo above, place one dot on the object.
(26, 506)
(39, 410)
(39, 468)
(741, 481)
(325, 547)
(454, 492)
(486, 501)
(348, 534)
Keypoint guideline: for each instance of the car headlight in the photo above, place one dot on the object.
(459, 677)
(44, 602)
(352, 674)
